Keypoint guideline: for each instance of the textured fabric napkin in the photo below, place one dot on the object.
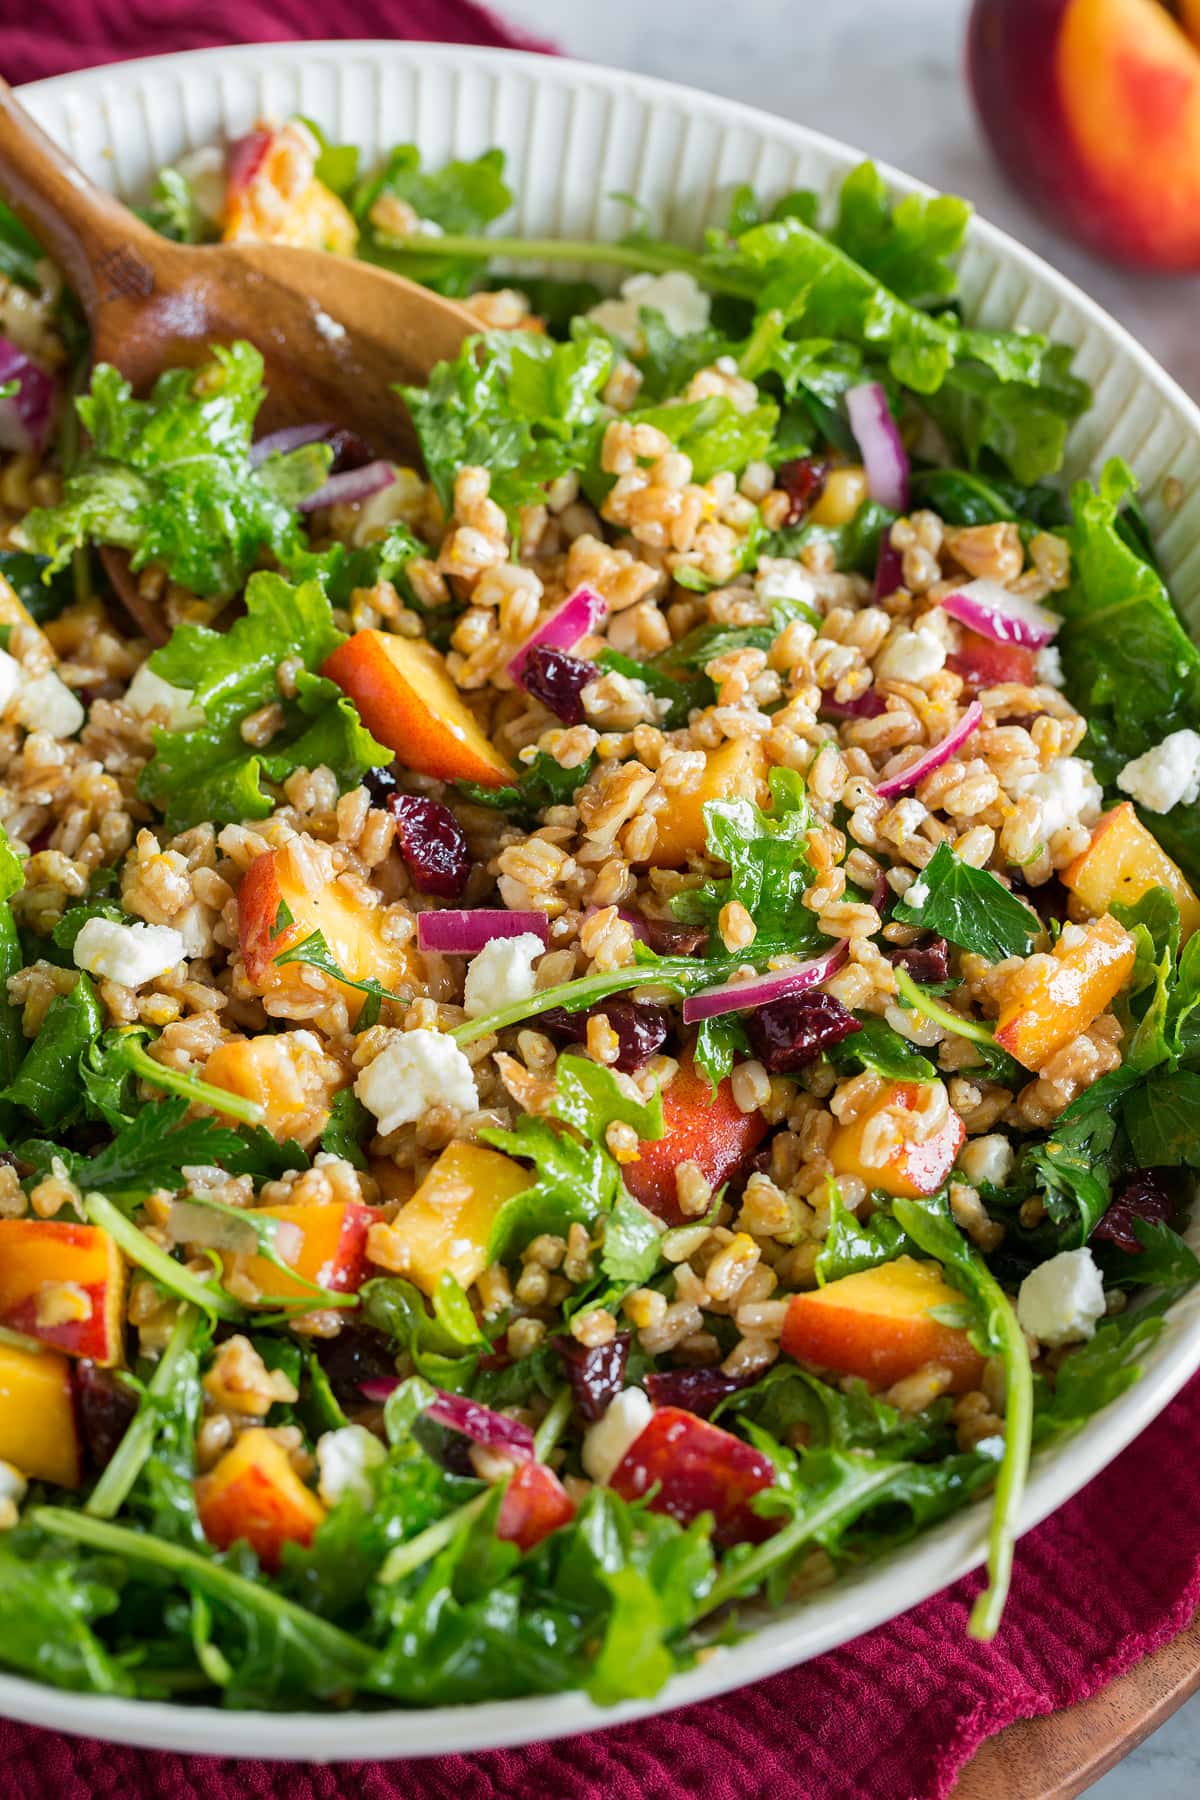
(1111, 1577)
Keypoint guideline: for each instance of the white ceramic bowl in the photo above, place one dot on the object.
(574, 135)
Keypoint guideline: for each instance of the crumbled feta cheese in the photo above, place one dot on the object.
(344, 1458)
(414, 1071)
(911, 656)
(1166, 775)
(783, 578)
(131, 954)
(605, 1442)
(1060, 1301)
(501, 974)
(47, 704)
(11, 677)
(1068, 791)
(680, 299)
(1048, 666)
(148, 693)
(195, 926)
(987, 1159)
(916, 893)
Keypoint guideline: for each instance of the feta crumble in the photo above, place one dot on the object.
(1068, 792)
(130, 954)
(11, 677)
(501, 974)
(345, 1458)
(1048, 666)
(916, 893)
(606, 1442)
(1060, 1301)
(911, 656)
(148, 693)
(680, 299)
(783, 578)
(414, 1071)
(46, 703)
(987, 1159)
(1166, 775)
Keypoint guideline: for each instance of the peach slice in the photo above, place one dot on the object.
(878, 1324)
(333, 1250)
(535, 1503)
(446, 1227)
(696, 1467)
(700, 1127)
(272, 195)
(64, 1285)
(1093, 109)
(1123, 861)
(276, 912)
(406, 699)
(883, 1148)
(38, 1433)
(735, 771)
(1086, 970)
(254, 1495)
(288, 1073)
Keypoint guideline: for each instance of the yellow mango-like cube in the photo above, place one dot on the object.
(844, 492)
(879, 1324)
(288, 1073)
(1122, 862)
(255, 1496)
(737, 770)
(37, 1416)
(884, 1145)
(446, 1227)
(1084, 972)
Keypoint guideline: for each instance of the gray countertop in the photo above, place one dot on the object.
(886, 75)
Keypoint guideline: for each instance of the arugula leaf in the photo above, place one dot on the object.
(591, 1097)
(712, 433)
(12, 958)
(209, 772)
(845, 1418)
(719, 1041)
(971, 907)
(631, 1249)
(1023, 423)
(49, 1604)
(540, 784)
(150, 1152)
(1164, 1261)
(851, 1244)
(460, 197)
(169, 1409)
(174, 213)
(47, 1083)
(169, 478)
(348, 1128)
(42, 592)
(340, 568)
(1096, 1373)
(1162, 1118)
(683, 694)
(908, 247)
(315, 951)
(854, 546)
(964, 497)
(876, 1046)
(769, 870)
(1073, 1168)
(999, 1064)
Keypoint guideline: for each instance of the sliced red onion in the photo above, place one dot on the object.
(457, 933)
(354, 484)
(760, 990)
(458, 1413)
(292, 437)
(933, 758)
(27, 416)
(868, 705)
(878, 436)
(580, 613)
(889, 567)
(1005, 618)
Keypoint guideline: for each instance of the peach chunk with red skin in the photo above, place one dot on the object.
(878, 1324)
(736, 770)
(1123, 862)
(701, 1127)
(1093, 109)
(254, 1495)
(64, 1285)
(697, 1467)
(889, 1146)
(406, 698)
(288, 1073)
(535, 1503)
(272, 194)
(1063, 992)
(332, 1250)
(38, 1430)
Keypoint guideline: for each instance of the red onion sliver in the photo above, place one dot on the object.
(378, 1387)
(889, 567)
(354, 484)
(932, 758)
(26, 417)
(1005, 618)
(760, 990)
(878, 436)
(457, 933)
(457, 1413)
(580, 614)
(292, 437)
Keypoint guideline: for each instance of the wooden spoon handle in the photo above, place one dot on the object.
(93, 238)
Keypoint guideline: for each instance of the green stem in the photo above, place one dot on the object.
(200, 1093)
(211, 1578)
(945, 1016)
(1014, 1469)
(16, 1340)
(427, 1544)
(647, 257)
(112, 1490)
(207, 1295)
(677, 973)
(554, 1423)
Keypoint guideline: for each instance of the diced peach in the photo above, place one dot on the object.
(535, 1503)
(1087, 969)
(446, 1227)
(701, 1127)
(698, 1468)
(406, 699)
(843, 494)
(878, 1324)
(884, 1147)
(984, 664)
(64, 1285)
(333, 1250)
(38, 1433)
(271, 891)
(254, 1495)
(272, 195)
(735, 771)
(1122, 862)
(288, 1073)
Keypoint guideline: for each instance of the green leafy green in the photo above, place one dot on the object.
(349, 1127)
(1162, 1118)
(767, 855)
(851, 1244)
(173, 210)
(50, 1603)
(459, 197)
(971, 907)
(42, 592)
(540, 783)
(876, 1046)
(909, 246)
(46, 1085)
(315, 952)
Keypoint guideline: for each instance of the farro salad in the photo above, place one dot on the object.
(598, 1030)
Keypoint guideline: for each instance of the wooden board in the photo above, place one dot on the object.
(1057, 1757)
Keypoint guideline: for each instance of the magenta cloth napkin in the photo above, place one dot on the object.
(893, 1716)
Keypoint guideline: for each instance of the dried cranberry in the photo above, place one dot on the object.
(104, 1407)
(358, 1353)
(1049, 899)
(698, 1391)
(41, 841)
(927, 961)
(432, 843)
(1145, 1195)
(787, 1034)
(558, 681)
(641, 1028)
(803, 481)
(349, 450)
(596, 1375)
(666, 938)
(381, 784)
